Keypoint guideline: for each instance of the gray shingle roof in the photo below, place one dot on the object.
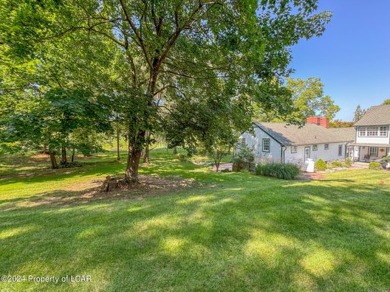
(308, 134)
(376, 116)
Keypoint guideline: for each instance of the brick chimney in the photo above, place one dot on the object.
(320, 121)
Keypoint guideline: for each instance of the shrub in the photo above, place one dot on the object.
(348, 162)
(320, 165)
(334, 164)
(375, 165)
(243, 158)
(181, 157)
(279, 170)
(243, 155)
(387, 158)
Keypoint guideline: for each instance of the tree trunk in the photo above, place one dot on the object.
(217, 159)
(53, 160)
(73, 153)
(146, 155)
(174, 150)
(63, 156)
(133, 159)
(147, 148)
(45, 150)
(118, 154)
(134, 156)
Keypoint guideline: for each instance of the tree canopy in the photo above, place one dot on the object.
(145, 54)
(359, 113)
(386, 101)
(307, 98)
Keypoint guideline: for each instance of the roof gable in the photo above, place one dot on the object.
(309, 134)
(376, 116)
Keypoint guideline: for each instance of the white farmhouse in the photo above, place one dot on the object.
(372, 138)
(279, 142)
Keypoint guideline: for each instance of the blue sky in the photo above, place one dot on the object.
(352, 57)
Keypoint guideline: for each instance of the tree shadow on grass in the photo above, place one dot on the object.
(53, 175)
(149, 186)
(294, 236)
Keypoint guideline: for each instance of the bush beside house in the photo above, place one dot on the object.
(243, 158)
(320, 165)
(279, 170)
(375, 165)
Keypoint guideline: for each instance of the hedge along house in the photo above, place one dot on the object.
(372, 139)
(279, 142)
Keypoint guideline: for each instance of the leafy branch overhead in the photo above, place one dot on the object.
(145, 55)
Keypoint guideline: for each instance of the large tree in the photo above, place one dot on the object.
(359, 113)
(52, 94)
(245, 44)
(308, 99)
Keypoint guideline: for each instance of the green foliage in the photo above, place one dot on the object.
(335, 164)
(359, 113)
(387, 158)
(243, 154)
(375, 165)
(243, 158)
(181, 157)
(348, 162)
(219, 224)
(155, 59)
(308, 99)
(279, 170)
(340, 124)
(11, 147)
(386, 101)
(320, 165)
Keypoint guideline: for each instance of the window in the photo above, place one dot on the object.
(374, 151)
(266, 144)
(372, 131)
(340, 150)
(383, 131)
(315, 147)
(362, 131)
(326, 146)
(242, 141)
(294, 149)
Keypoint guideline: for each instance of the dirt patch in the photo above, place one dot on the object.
(149, 186)
(311, 176)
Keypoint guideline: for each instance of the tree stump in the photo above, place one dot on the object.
(110, 184)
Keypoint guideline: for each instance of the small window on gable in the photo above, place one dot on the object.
(242, 141)
(294, 149)
(326, 146)
(315, 147)
(266, 145)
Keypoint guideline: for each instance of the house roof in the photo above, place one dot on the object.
(306, 135)
(376, 116)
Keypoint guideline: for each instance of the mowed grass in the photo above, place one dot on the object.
(229, 231)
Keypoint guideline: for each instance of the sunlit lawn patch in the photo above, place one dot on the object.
(227, 232)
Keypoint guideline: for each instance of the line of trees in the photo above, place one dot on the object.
(193, 70)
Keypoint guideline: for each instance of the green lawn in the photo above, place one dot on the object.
(227, 231)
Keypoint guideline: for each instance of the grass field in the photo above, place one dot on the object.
(225, 231)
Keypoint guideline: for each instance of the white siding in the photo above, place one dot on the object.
(373, 140)
(256, 144)
(332, 153)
